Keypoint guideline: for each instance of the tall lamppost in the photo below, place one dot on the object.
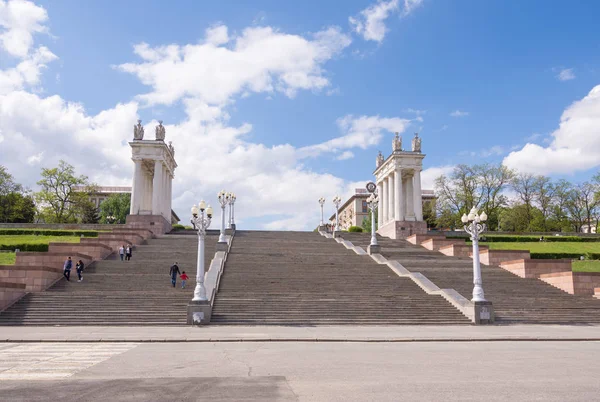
(372, 202)
(223, 200)
(336, 201)
(232, 199)
(201, 223)
(474, 225)
(321, 202)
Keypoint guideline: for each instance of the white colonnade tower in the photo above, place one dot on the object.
(398, 179)
(153, 173)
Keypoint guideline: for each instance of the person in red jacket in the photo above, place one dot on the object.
(184, 278)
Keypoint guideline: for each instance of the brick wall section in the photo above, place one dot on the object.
(497, 257)
(575, 283)
(35, 279)
(528, 268)
(459, 250)
(96, 250)
(9, 293)
(417, 239)
(435, 243)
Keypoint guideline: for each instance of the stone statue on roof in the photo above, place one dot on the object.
(397, 143)
(138, 131)
(160, 131)
(416, 143)
(172, 148)
(380, 159)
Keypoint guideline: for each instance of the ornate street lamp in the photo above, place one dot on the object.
(336, 201)
(232, 199)
(372, 202)
(322, 202)
(111, 219)
(475, 226)
(201, 222)
(223, 200)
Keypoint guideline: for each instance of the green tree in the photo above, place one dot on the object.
(117, 206)
(16, 205)
(58, 198)
(429, 213)
(366, 223)
(89, 213)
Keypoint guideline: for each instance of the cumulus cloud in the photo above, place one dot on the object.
(429, 175)
(565, 74)
(261, 59)
(345, 155)
(370, 23)
(575, 143)
(19, 20)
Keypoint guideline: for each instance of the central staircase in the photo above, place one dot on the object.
(301, 278)
(115, 292)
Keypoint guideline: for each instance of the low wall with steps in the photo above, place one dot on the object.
(96, 250)
(113, 244)
(575, 283)
(34, 278)
(528, 268)
(417, 239)
(497, 257)
(459, 250)
(132, 237)
(48, 259)
(435, 243)
(10, 292)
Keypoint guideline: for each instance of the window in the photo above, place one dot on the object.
(365, 209)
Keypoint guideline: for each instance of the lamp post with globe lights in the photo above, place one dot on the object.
(201, 217)
(232, 198)
(474, 225)
(337, 201)
(372, 202)
(223, 200)
(321, 202)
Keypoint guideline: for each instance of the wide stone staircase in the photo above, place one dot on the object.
(136, 292)
(301, 278)
(515, 299)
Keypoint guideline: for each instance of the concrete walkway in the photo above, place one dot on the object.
(308, 334)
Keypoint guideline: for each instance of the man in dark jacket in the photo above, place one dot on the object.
(173, 273)
(67, 268)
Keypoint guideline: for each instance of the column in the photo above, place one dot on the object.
(157, 188)
(410, 211)
(164, 198)
(137, 189)
(418, 201)
(392, 193)
(169, 195)
(384, 201)
(380, 206)
(398, 196)
(147, 205)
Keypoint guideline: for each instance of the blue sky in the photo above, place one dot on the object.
(277, 81)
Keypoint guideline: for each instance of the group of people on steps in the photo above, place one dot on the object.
(125, 252)
(78, 267)
(173, 272)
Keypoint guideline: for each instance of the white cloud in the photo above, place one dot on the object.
(370, 23)
(360, 132)
(495, 150)
(565, 74)
(429, 175)
(19, 20)
(35, 159)
(260, 60)
(217, 35)
(345, 155)
(27, 73)
(575, 143)
(459, 113)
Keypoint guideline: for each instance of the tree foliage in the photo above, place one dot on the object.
(16, 204)
(58, 199)
(117, 206)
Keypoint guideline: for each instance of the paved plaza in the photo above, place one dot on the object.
(302, 371)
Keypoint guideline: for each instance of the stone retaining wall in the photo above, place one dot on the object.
(10, 293)
(528, 268)
(575, 283)
(497, 257)
(417, 239)
(59, 226)
(435, 243)
(34, 278)
(459, 250)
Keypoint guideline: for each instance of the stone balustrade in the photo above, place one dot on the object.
(575, 283)
(529, 268)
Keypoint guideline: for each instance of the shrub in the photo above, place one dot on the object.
(48, 232)
(178, 227)
(24, 247)
(355, 229)
(572, 256)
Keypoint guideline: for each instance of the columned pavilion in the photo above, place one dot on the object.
(398, 179)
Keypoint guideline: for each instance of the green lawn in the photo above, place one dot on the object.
(7, 258)
(546, 247)
(31, 239)
(586, 266)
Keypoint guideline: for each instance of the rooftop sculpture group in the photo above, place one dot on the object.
(138, 133)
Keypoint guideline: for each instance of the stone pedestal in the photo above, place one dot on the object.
(402, 229)
(374, 249)
(199, 312)
(157, 224)
(484, 313)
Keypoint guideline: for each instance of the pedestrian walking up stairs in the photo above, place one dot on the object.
(515, 299)
(115, 292)
(300, 278)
